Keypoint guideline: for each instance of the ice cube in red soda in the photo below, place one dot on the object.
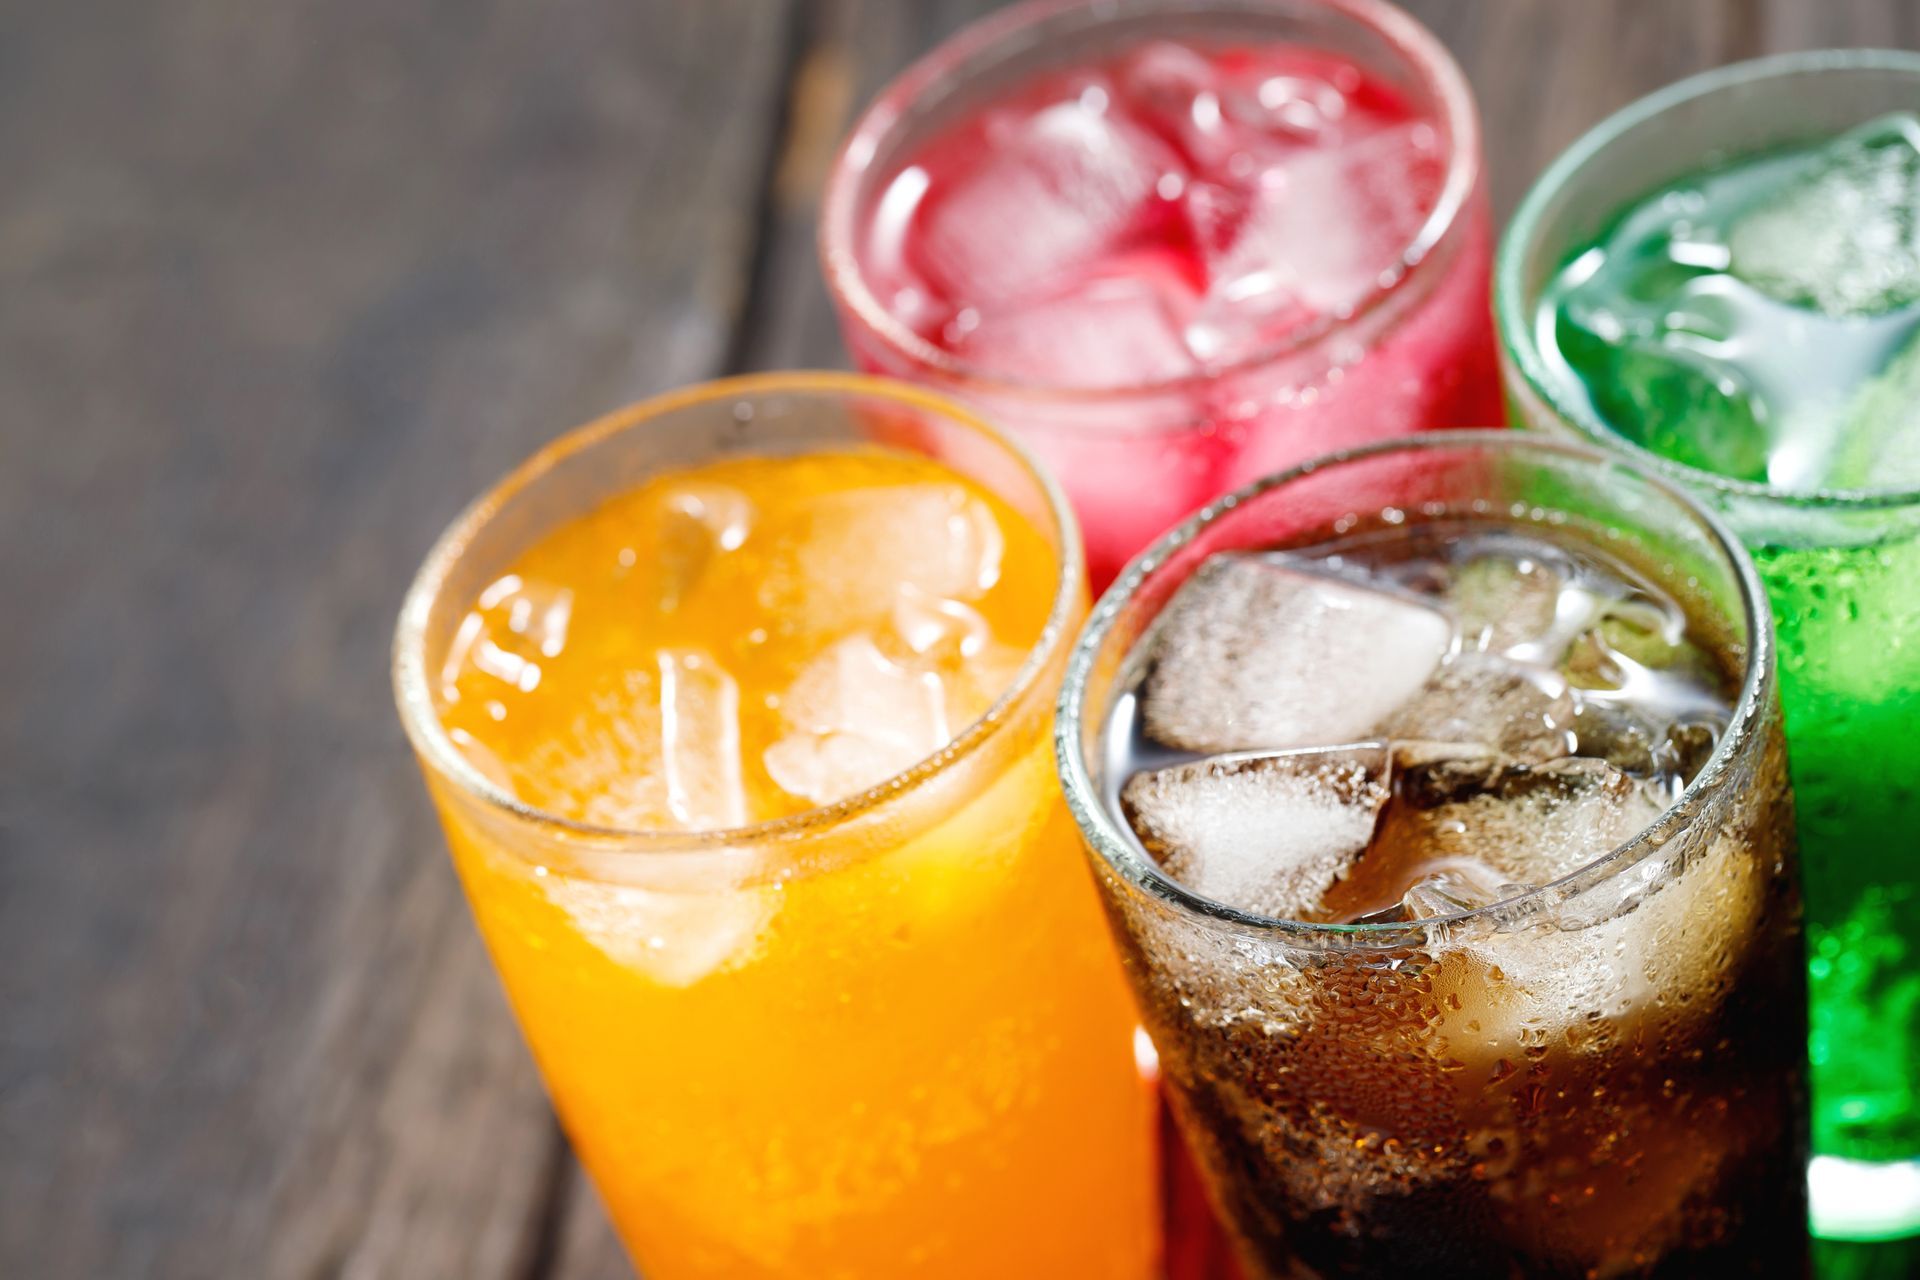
(1167, 211)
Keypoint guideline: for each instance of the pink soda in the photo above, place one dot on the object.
(1174, 246)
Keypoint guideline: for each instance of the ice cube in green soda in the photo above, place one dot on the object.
(1760, 320)
(1842, 236)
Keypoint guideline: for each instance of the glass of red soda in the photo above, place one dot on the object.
(1176, 244)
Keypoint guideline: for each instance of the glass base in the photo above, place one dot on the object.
(1855, 1200)
(1886, 1260)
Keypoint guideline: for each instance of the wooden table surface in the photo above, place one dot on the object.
(281, 287)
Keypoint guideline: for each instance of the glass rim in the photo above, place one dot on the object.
(838, 233)
(413, 682)
(1513, 315)
(1115, 844)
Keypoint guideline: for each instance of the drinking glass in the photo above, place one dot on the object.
(1843, 570)
(1415, 351)
(1603, 1075)
(887, 1036)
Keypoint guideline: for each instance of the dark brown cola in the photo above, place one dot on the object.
(1491, 988)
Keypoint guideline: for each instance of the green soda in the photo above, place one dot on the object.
(1760, 320)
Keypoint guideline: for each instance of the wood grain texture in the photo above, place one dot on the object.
(1842, 24)
(847, 50)
(280, 288)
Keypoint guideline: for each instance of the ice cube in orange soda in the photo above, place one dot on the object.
(893, 1043)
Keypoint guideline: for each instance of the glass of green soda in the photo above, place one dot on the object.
(1723, 280)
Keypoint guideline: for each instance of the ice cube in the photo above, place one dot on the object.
(855, 719)
(955, 642)
(1843, 234)
(1662, 940)
(515, 627)
(1411, 753)
(604, 765)
(485, 759)
(1524, 711)
(1326, 226)
(929, 628)
(1101, 333)
(1302, 103)
(1230, 114)
(1641, 739)
(1454, 886)
(675, 939)
(1663, 392)
(1047, 194)
(1173, 89)
(1687, 745)
(1662, 677)
(1530, 823)
(1652, 630)
(1500, 602)
(697, 521)
(862, 548)
(1254, 652)
(1614, 732)
(1527, 603)
(1266, 833)
(1252, 311)
(1878, 433)
(700, 741)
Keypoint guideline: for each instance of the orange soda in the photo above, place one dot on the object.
(780, 882)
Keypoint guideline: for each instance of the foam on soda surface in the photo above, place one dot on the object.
(1760, 320)
(738, 642)
(1171, 208)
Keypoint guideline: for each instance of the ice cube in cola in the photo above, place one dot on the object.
(1446, 729)
(1268, 832)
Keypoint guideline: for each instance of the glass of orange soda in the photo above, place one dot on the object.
(736, 708)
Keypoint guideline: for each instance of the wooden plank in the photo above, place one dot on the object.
(849, 49)
(1842, 24)
(280, 289)
(1544, 71)
(587, 1248)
